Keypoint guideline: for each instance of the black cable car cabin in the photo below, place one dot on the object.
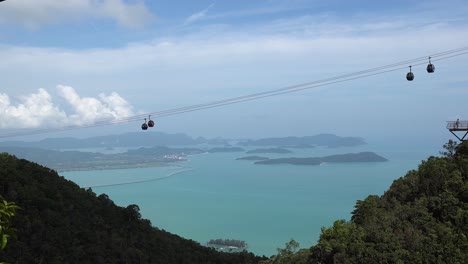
(430, 67)
(409, 75)
(144, 126)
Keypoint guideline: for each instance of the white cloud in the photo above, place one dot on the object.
(33, 110)
(39, 110)
(90, 109)
(224, 62)
(34, 14)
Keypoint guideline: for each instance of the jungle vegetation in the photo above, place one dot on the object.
(421, 218)
(59, 222)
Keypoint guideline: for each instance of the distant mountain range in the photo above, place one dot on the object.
(325, 140)
(134, 139)
(151, 139)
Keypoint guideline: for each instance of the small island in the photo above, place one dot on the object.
(269, 150)
(225, 149)
(342, 158)
(227, 245)
(253, 158)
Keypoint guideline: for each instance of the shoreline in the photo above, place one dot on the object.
(121, 167)
(140, 181)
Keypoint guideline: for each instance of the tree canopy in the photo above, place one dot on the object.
(59, 222)
(421, 218)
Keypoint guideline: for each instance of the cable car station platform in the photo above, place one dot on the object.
(454, 126)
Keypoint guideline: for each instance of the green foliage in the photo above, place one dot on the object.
(450, 149)
(63, 223)
(290, 254)
(422, 218)
(7, 210)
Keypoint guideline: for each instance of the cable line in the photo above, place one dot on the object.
(255, 96)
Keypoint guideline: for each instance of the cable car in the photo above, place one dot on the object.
(430, 67)
(144, 126)
(150, 122)
(409, 75)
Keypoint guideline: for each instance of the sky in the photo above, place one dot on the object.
(75, 62)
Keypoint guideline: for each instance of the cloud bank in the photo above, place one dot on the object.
(34, 14)
(39, 110)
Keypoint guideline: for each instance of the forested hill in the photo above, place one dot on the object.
(61, 223)
(421, 218)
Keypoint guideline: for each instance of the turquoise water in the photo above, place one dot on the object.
(214, 196)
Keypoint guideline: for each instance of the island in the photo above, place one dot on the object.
(269, 150)
(253, 158)
(225, 149)
(341, 158)
(227, 245)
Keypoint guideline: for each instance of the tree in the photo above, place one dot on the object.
(7, 210)
(451, 148)
(289, 255)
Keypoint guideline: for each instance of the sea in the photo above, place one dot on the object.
(213, 195)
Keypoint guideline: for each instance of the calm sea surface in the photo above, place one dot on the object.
(215, 196)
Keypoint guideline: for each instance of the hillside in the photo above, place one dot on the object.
(421, 218)
(61, 223)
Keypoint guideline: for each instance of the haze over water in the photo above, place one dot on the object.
(215, 196)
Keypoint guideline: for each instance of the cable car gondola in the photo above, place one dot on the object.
(409, 75)
(144, 126)
(430, 67)
(150, 122)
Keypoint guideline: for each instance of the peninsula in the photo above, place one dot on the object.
(78, 160)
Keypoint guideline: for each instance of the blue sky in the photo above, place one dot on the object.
(78, 61)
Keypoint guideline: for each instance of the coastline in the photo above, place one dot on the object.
(140, 181)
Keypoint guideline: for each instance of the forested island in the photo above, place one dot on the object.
(342, 158)
(269, 150)
(225, 149)
(227, 245)
(253, 158)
